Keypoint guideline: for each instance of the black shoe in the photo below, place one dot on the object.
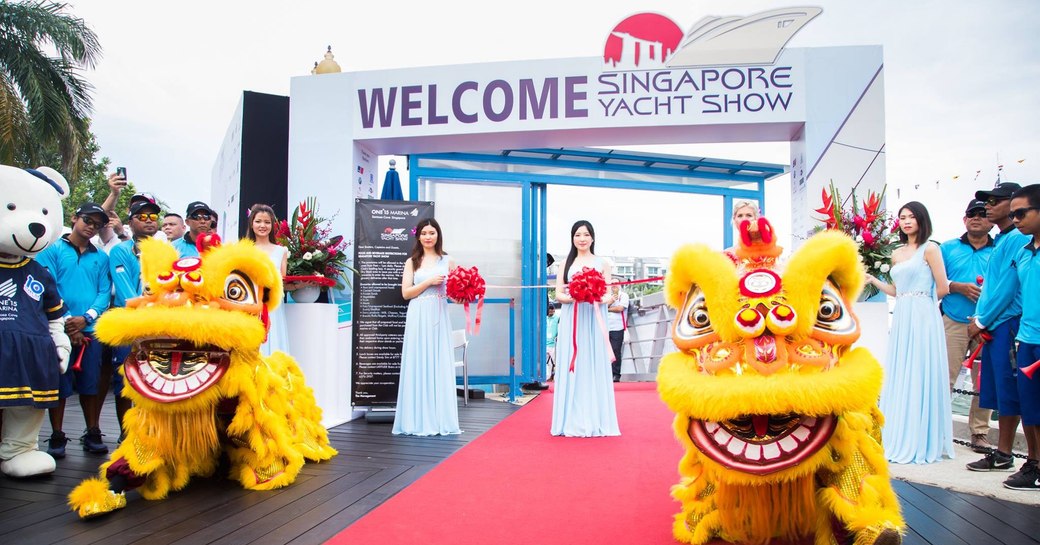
(1028, 478)
(56, 445)
(92, 441)
(994, 461)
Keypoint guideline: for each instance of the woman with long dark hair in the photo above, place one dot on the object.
(426, 399)
(915, 397)
(262, 227)
(583, 399)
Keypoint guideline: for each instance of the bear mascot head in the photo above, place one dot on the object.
(33, 345)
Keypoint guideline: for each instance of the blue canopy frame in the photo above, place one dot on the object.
(585, 167)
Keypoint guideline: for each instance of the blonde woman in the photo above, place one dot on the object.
(743, 211)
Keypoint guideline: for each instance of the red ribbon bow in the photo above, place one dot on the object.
(465, 285)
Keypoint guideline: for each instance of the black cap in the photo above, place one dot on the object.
(143, 206)
(975, 204)
(143, 197)
(198, 206)
(92, 209)
(1002, 191)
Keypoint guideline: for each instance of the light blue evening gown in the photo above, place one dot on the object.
(915, 398)
(278, 334)
(583, 400)
(426, 398)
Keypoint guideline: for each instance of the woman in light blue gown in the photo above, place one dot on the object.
(915, 398)
(426, 402)
(262, 222)
(583, 398)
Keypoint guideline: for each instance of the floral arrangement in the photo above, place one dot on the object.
(467, 286)
(314, 256)
(874, 229)
(588, 286)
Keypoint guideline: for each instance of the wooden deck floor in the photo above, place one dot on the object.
(374, 465)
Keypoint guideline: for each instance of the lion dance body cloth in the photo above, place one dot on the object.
(776, 411)
(199, 385)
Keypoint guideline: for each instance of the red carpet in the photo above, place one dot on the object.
(518, 484)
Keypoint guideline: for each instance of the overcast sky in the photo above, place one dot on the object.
(960, 80)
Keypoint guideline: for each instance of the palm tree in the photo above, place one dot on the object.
(44, 102)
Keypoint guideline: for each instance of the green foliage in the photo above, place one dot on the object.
(44, 102)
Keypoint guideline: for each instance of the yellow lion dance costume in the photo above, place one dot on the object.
(199, 384)
(777, 413)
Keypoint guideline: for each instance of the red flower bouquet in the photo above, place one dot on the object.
(588, 286)
(874, 229)
(315, 257)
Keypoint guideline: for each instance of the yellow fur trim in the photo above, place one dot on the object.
(92, 498)
(227, 330)
(854, 384)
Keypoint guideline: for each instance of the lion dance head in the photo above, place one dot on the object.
(199, 385)
(775, 409)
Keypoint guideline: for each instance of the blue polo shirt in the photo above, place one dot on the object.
(1027, 264)
(82, 278)
(125, 269)
(1001, 299)
(963, 264)
(186, 246)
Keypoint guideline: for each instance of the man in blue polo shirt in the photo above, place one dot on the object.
(200, 219)
(965, 259)
(1025, 213)
(124, 262)
(81, 272)
(997, 313)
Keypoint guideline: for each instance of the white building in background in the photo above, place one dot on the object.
(628, 267)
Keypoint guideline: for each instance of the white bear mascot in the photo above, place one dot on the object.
(34, 349)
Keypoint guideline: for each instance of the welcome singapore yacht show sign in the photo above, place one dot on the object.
(725, 79)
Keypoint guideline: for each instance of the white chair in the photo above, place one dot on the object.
(459, 340)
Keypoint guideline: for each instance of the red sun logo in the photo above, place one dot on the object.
(644, 39)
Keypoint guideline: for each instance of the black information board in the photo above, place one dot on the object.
(383, 239)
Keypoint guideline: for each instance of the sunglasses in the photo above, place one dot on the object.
(146, 217)
(993, 201)
(92, 223)
(200, 217)
(976, 214)
(1020, 213)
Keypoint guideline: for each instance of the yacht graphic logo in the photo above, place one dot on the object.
(649, 40)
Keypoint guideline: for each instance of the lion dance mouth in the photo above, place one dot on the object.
(170, 370)
(761, 444)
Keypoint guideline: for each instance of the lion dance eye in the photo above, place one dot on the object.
(239, 289)
(832, 316)
(698, 317)
(829, 311)
(693, 325)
